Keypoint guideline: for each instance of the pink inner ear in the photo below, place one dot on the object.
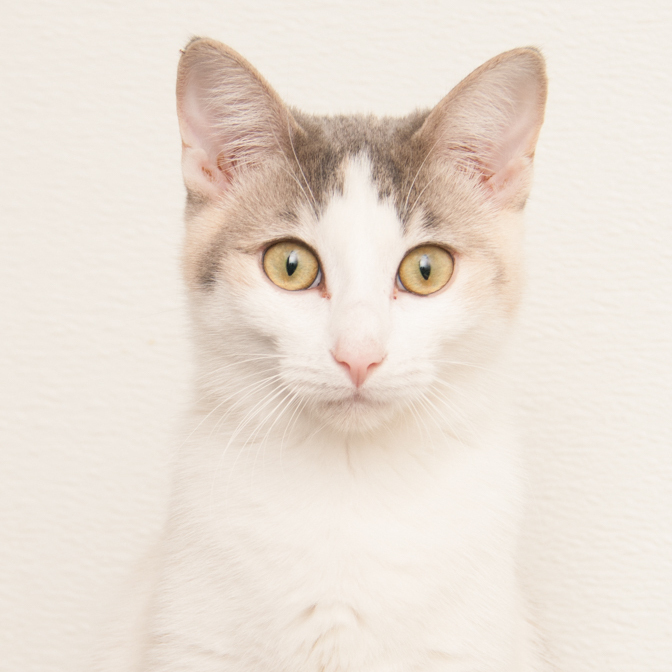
(229, 117)
(489, 123)
(508, 175)
(520, 131)
(208, 150)
(512, 159)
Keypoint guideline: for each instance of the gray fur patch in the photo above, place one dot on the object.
(396, 156)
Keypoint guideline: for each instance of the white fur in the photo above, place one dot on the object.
(317, 529)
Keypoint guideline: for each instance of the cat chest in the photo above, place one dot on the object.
(361, 604)
(335, 574)
(338, 532)
(348, 553)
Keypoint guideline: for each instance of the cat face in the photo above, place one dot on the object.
(352, 268)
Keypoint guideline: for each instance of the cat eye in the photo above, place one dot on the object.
(425, 269)
(291, 265)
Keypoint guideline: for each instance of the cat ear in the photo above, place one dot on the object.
(488, 124)
(230, 118)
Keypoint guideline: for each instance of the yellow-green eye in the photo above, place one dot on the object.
(426, 269)
(291, 265)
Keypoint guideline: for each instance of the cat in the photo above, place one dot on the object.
(349, 494)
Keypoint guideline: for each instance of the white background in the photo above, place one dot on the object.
(94, 353)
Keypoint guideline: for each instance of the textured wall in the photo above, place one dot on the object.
(93, 348)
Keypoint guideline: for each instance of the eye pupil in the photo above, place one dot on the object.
(425, 266)
(292, 262)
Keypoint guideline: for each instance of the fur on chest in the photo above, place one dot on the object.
(364, 564)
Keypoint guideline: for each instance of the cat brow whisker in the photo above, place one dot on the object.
(296, 179)
(298, 163)
(422, 191)
(289, 172)
(410, 189)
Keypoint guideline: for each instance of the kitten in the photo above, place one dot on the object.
(349, 495)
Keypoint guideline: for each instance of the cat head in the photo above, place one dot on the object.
(354, 269)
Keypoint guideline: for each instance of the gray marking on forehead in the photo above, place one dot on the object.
(395, 154)
(431, 221)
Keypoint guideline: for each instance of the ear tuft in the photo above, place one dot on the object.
(230, 118)
(488, 124)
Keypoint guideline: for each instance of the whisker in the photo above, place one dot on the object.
(437, 414)
(213, 388)
(220, 404)
(241, 425)
(290, 426)
(225, 379)
(219, 369)
(420, 421)
(410, 189)
(254, 388)
(423, 191)
(287, 400)
(258, 425)
(455, 410)
(291, 173)
(305, 179)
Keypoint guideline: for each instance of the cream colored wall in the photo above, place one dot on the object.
(93, 347)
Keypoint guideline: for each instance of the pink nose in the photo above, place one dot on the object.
(359, 363)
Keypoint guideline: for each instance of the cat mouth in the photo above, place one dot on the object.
(358, 397)
(349, 407)
(356, 411)
(356, 400)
